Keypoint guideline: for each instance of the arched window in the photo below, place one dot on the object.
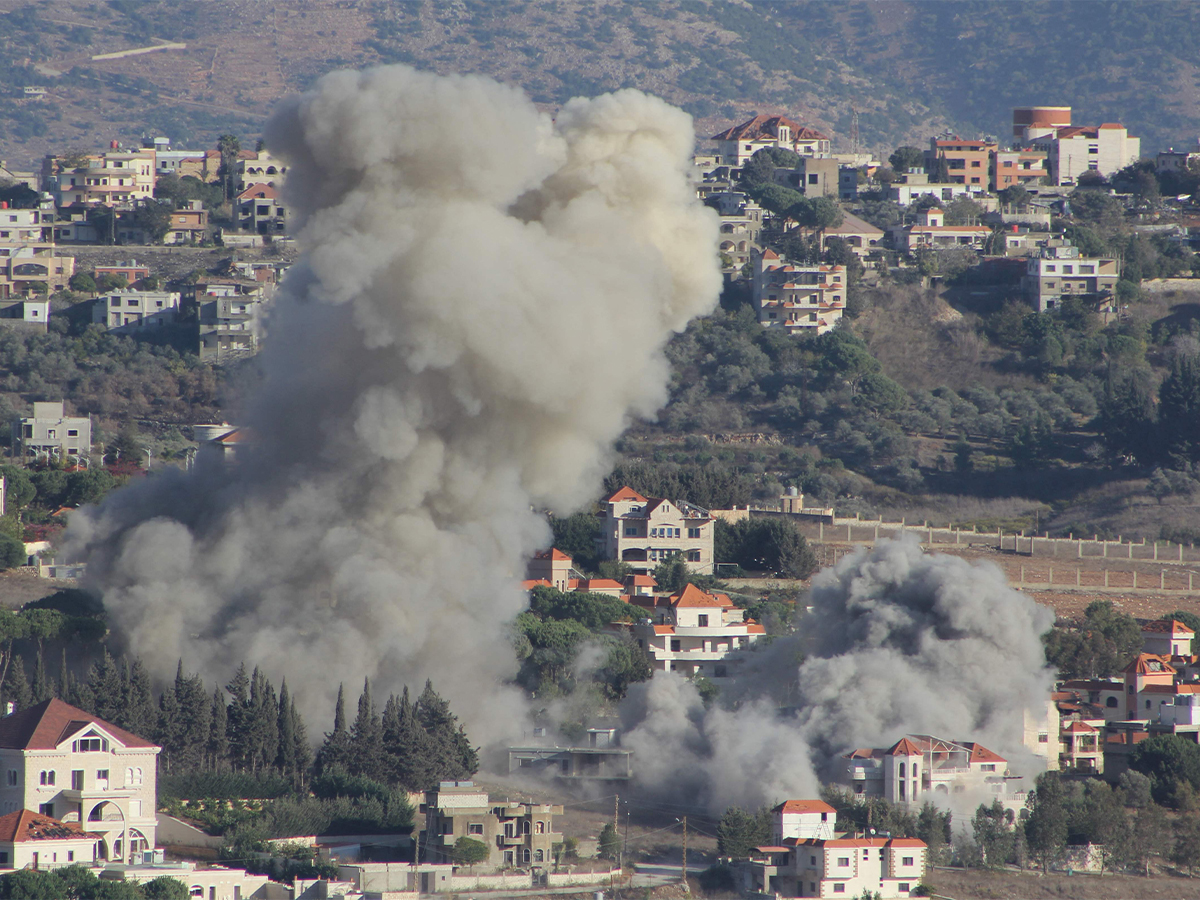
(525, 827)
(537, 855)
(47, 778)
(1111, 702)
(196, 890)
(271, 170)
(133, 776)
(901, 770)
(525, 854)
(541, 828)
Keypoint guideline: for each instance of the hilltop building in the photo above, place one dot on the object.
(645, 531)
(737, 144)
(797, 299)
(514, 833)
(1059, 270)
(919, 764)
(51, 432)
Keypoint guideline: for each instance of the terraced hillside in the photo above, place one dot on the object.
(908, 67)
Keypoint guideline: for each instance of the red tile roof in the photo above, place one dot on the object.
(26, 825)
(1166, 626)
(641, 580)
(595, 584)
(692, 596)
(1149, 664)
(625, 493)
(530, 583)
(45, 726)
(980, 753)
(258, 192)
(1079, 728)
(804, 806)
(552, 553)
(904, 747)
(767, 127)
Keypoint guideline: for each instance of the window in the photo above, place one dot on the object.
(46, 809)
(839, 888)
(538, 855)
(12, 777)
(525, 854)
(693, 532)
(988, 767)
(813, 179)
(843, 861)
(812, 860)
(475, 828)
(906, 861)
(90, 745)
(47, 778)
(70, 856)
(693, 556)
(133, 776)
(102, 779)
(902, 887)
(675, 645)
(539, 828)
(702, 621)
(72, 432)
(77, 780)
(630, 531)
(975, 164)
(1044, 739)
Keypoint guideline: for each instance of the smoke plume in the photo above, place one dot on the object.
(479, 310)
(898, 642)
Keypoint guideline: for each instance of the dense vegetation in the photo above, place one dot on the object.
(80, 883)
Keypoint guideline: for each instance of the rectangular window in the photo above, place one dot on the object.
(902, 887)
(89, 745)
(906, 861)
(693, 532)
(843, 861)
(46, 809)
(839, 888)
(630, 532)
(813, 179)
(475, 828)
(988, 767)
(12, 777)
(72, 432)
(703, 620)
(693, 556)
(70, 856)
(676, 646)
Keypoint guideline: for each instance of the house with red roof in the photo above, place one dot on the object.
(32, 840)
(920, 764)
(691, 632)
(260, 210)
(848, 865)
(552, 568)
(1167, 637)
(646, 531)
(802, 819)
(86, 773)
(737, 144)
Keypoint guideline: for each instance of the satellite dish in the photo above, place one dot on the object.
(872, 831)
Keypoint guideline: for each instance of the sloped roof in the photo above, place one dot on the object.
(552, 553)
(904, 747)
(530, 583)
(804, 806)
(980, 753)
(852, 224)
(764, 126)
(1150, 664)
(641, 580)
(1079, 728)
(258, 192)
(1167, 626)
(625, 493)
(691, 596)
(26, 825)
(596, 584)
(49, 723)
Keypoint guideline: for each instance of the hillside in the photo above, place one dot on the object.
(909, 68)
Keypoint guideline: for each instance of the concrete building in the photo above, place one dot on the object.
(845, 866)
(229, 313)
(188, 225)
(692, 632)
(737, 144)
(1072, 151)
(930, 232)
(1167, 637)
(967, 162)
(645, 531)
(802, 820)
(25, 226)
(1058, 270)
(1017, 168)
(919, 764)
(812, 176)
(912, 186)
(797, 299)
(32, 314)
(859, 234)
(72, 766)
(1031, 122)
(260, 167)
(599, 759)
(259, 210)
(516, 834)
(132, 312)
(115, 178)
(551, 567)
(51, 432)
(34, 841)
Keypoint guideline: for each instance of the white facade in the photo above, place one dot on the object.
(920, 764)
(32, 840)
(797, 299)
(1059, 271)
(803, 820)
(1074, 150)
(49, 431)
(736, 145)
(25, 225)
(114, 178)
(839, 867)
(65, 763)
(127, 312)
(645, 531)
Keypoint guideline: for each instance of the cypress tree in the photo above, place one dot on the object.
(240, 728)
(81, 696)
(285, 761)
(107, 688)
(411, 752)
(218, 734)
(1179, 411)
(336, 751)
(64, 687)
(303, 750)
(455, 757)
(366, 738)
(267, 714)
(195, 711)
(16, 685)
(41, 689)
(170, 729)
(140, 715)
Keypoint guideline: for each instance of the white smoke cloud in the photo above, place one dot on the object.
(479, 310)
(898, 642)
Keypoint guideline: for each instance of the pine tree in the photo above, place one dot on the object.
(140, 718)
(63, 688)
(454, 756)
(285, 761)
(266, 711)
(191, 698)
(303, 750)
(410, 750)
(16, 685)
(81, 696)
(107, 690)
(240, 727)
(367, 738)
(41, 689)
(218, 733)
(1179, 411)
(170, 729)
(336, 751)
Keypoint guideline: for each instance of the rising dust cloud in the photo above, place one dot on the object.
(479, 311)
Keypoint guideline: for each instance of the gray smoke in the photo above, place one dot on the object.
(480, 309)
(898, 642)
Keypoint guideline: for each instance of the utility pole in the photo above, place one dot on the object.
(684, 867)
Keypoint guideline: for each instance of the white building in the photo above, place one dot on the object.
(915, 185)
(919, 764)
(930, 232)
(1074, 150)
(49, 431)
(803, 820)
(1167, 637)
(128, 312)
(69, 765)
(261, 168)
(737, 144)
(797, 299)
(846, 866)
(35, 841)
(692, 633)
(645, 531)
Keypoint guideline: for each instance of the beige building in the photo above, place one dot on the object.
(260, 211)
(930, 232)
(131, 312)
(1075, 150)
(692, 633)
(116, 178)
(69, 765)
(516, 834)
(797, 299)
(51, 432)
(737, 144)
(1059, 271)
(920, 764)
(646, 531)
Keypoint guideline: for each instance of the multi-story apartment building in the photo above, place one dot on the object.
(813, 176)
(129, 312)
(797, 299)
(912, 186)
(116, 178)
(645, 531)
(27, 254)
(692, 633)
(260, 167)
(50, 432)
(25, 226)
(1072, 151)
(967, 162)
(1017, 168)
(516, 834)
(71, 766)
(1058, 271)
(737, 144)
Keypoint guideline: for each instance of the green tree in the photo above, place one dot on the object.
(228, 145)
(1014, 197)
(740, 830)
(1169, 761)
(1127, 420)
(1179, 411)
(468, 851)
(366, 738)
(83, 282)
(1186, 853)
(165, 888)
(905, 158)
(609, 843)
(1148, 835)
(1046, 826)
(992, 827)
(153, 217)
(12, 552)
